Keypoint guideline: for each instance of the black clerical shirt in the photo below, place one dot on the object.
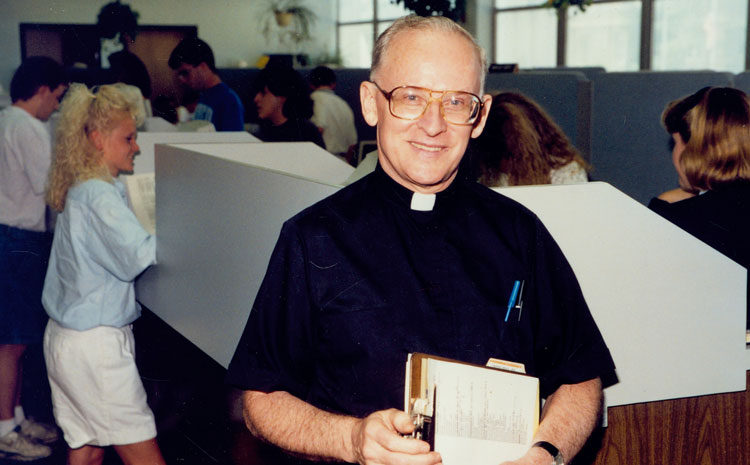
(359, 280)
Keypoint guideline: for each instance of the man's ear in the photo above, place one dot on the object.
(368, 101)
(482, 120)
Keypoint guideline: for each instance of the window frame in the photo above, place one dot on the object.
(646, 31)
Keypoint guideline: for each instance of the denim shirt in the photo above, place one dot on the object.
(98, 250)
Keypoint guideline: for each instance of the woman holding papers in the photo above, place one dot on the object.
(98, 250)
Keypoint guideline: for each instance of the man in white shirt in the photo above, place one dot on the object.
(331, 114)
(25, 155)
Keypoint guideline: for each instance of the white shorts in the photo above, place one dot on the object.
(97, 395)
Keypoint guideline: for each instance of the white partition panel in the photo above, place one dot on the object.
(671, 309)
(218, 222)
(144, 161)
(303, 159)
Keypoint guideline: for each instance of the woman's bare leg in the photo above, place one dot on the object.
(141, 453)
(86, 455)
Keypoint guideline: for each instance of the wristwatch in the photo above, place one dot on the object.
(557, 457)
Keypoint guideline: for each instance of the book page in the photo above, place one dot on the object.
(142, 197)
(482, 416)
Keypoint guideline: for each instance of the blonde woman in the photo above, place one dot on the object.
(98, 250)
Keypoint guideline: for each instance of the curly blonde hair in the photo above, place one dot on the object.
(714, 124)
(82, 111)
(522, 142)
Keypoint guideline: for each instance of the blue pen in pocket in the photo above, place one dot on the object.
(513, 296)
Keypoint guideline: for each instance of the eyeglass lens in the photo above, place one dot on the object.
(411, 103)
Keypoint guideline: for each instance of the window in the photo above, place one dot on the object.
(700, 34)
(624, 35)
(359, 23)
(607, 35)
(526, 36)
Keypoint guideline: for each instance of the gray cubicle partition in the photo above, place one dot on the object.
(629, 148)
(565, 95)
(742, 81)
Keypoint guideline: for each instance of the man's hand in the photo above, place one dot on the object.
(377, 439)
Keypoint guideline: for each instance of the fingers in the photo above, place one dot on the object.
(376, 440)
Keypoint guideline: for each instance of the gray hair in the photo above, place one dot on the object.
(431, 23)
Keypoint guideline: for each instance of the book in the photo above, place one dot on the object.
(142, 198)
(471, 413)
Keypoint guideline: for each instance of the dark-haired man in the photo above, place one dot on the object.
(414, 258)
(193, 63)
(25, 155)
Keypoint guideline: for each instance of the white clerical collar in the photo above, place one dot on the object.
(422, 202)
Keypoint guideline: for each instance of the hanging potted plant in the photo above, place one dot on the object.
(453, 9)
(564, 4)
(290, 19)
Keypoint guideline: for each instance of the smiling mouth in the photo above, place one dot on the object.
(427, 148)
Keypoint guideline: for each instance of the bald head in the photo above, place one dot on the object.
(413, 23)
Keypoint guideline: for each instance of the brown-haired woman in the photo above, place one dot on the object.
(711, 132)
(522, 145)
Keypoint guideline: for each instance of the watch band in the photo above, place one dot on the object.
(557, 457)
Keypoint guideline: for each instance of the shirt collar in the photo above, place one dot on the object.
(407, 198)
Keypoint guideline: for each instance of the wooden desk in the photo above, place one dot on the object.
(705, 430)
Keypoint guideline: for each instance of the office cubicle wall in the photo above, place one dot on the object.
(219, 210)
(671, 309)
(565, 95)
(630, 148)
(144, 160)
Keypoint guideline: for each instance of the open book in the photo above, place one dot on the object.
(142, 198)
(474, 415)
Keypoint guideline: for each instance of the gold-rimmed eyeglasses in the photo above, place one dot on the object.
(411, 102)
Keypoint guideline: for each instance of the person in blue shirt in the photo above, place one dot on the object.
(98, 250)
(193, 63)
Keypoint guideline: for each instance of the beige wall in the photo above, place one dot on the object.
(229, 26)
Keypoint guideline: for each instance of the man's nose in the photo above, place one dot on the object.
(432, 121)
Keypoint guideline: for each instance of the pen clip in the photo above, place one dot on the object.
(519, 305)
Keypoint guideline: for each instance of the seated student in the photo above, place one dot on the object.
(522, 145)
(284, 107)
(193, 63)
(711, 154)
(331, 114)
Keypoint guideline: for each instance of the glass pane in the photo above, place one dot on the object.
(607, 35)
(517, 3)
(355, 10)
(355, 45)
(528, 38)
(699, 34)
(388, 10)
